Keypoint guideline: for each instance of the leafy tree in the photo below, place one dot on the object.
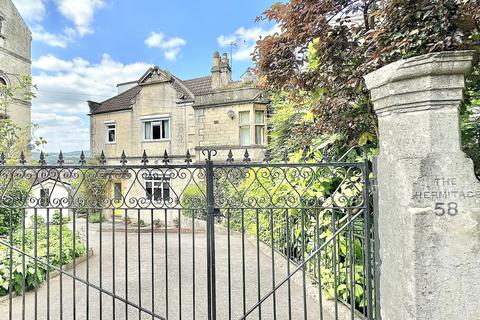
(92, 185)
(325, 47)
(13, 138)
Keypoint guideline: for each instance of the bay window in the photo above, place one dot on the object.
(259, 127)
(244, 128)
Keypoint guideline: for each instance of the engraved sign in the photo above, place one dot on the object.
(444, 192)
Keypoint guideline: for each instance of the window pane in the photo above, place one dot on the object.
(111, 135)
(148, 130)
(157, 193)
(156, 131)
(259, 117)
(166, 191)
(148, 190)
(244, 117)
(165, 129)
(110, 130)
(245, 136)
(117, 191)
(259, 134)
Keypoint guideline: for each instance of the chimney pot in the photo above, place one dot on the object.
(221, 71)
(216, 60)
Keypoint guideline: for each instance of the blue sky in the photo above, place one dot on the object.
(82, 48)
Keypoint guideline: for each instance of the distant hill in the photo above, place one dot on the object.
(69, 157)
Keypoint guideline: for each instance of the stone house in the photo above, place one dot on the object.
(160, 112)
(15, 61)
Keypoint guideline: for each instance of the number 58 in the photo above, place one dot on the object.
(451, 209)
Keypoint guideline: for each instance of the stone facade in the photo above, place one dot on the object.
(15, 59)
(202, 113)
(428, 196)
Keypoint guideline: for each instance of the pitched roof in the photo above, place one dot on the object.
(55, 176)
(186, 90)
(123, 101)
(199, 85)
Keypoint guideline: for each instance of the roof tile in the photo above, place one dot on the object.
(123, 101)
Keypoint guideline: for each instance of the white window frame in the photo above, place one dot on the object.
(163, 183)
(243, 126)
(153, 120)
(260, 125)
(107, 131)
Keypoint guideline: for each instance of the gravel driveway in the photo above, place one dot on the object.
(131, 268)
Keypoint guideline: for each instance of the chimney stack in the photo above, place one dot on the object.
(216, 60)
(221, 71)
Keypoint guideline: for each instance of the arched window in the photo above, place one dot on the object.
(3, 82)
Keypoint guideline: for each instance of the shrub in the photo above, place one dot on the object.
(14, 198)
(91, 185)
(308, 227)
(158, 223)
(58, 218)
(37, 220)
(96, 217)
(193, 201)
(34, 278)
(140, 223)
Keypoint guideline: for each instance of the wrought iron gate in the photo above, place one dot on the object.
(214, 239)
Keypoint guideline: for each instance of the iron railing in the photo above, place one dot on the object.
(219, 239)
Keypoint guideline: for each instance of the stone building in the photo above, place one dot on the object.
(160, 112)
(15, 60)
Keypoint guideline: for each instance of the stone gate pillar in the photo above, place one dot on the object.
(429, 198)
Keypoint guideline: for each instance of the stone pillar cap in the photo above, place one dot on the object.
(433, 79)
(437, 63)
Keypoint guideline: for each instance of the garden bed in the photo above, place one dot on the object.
(42, 243)
(56, 273)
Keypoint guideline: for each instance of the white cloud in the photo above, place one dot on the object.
(31, 10)
(245, 40)
(80, 12)
(170, 46)
(64, 86)
(54, 64)
(54, 40)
